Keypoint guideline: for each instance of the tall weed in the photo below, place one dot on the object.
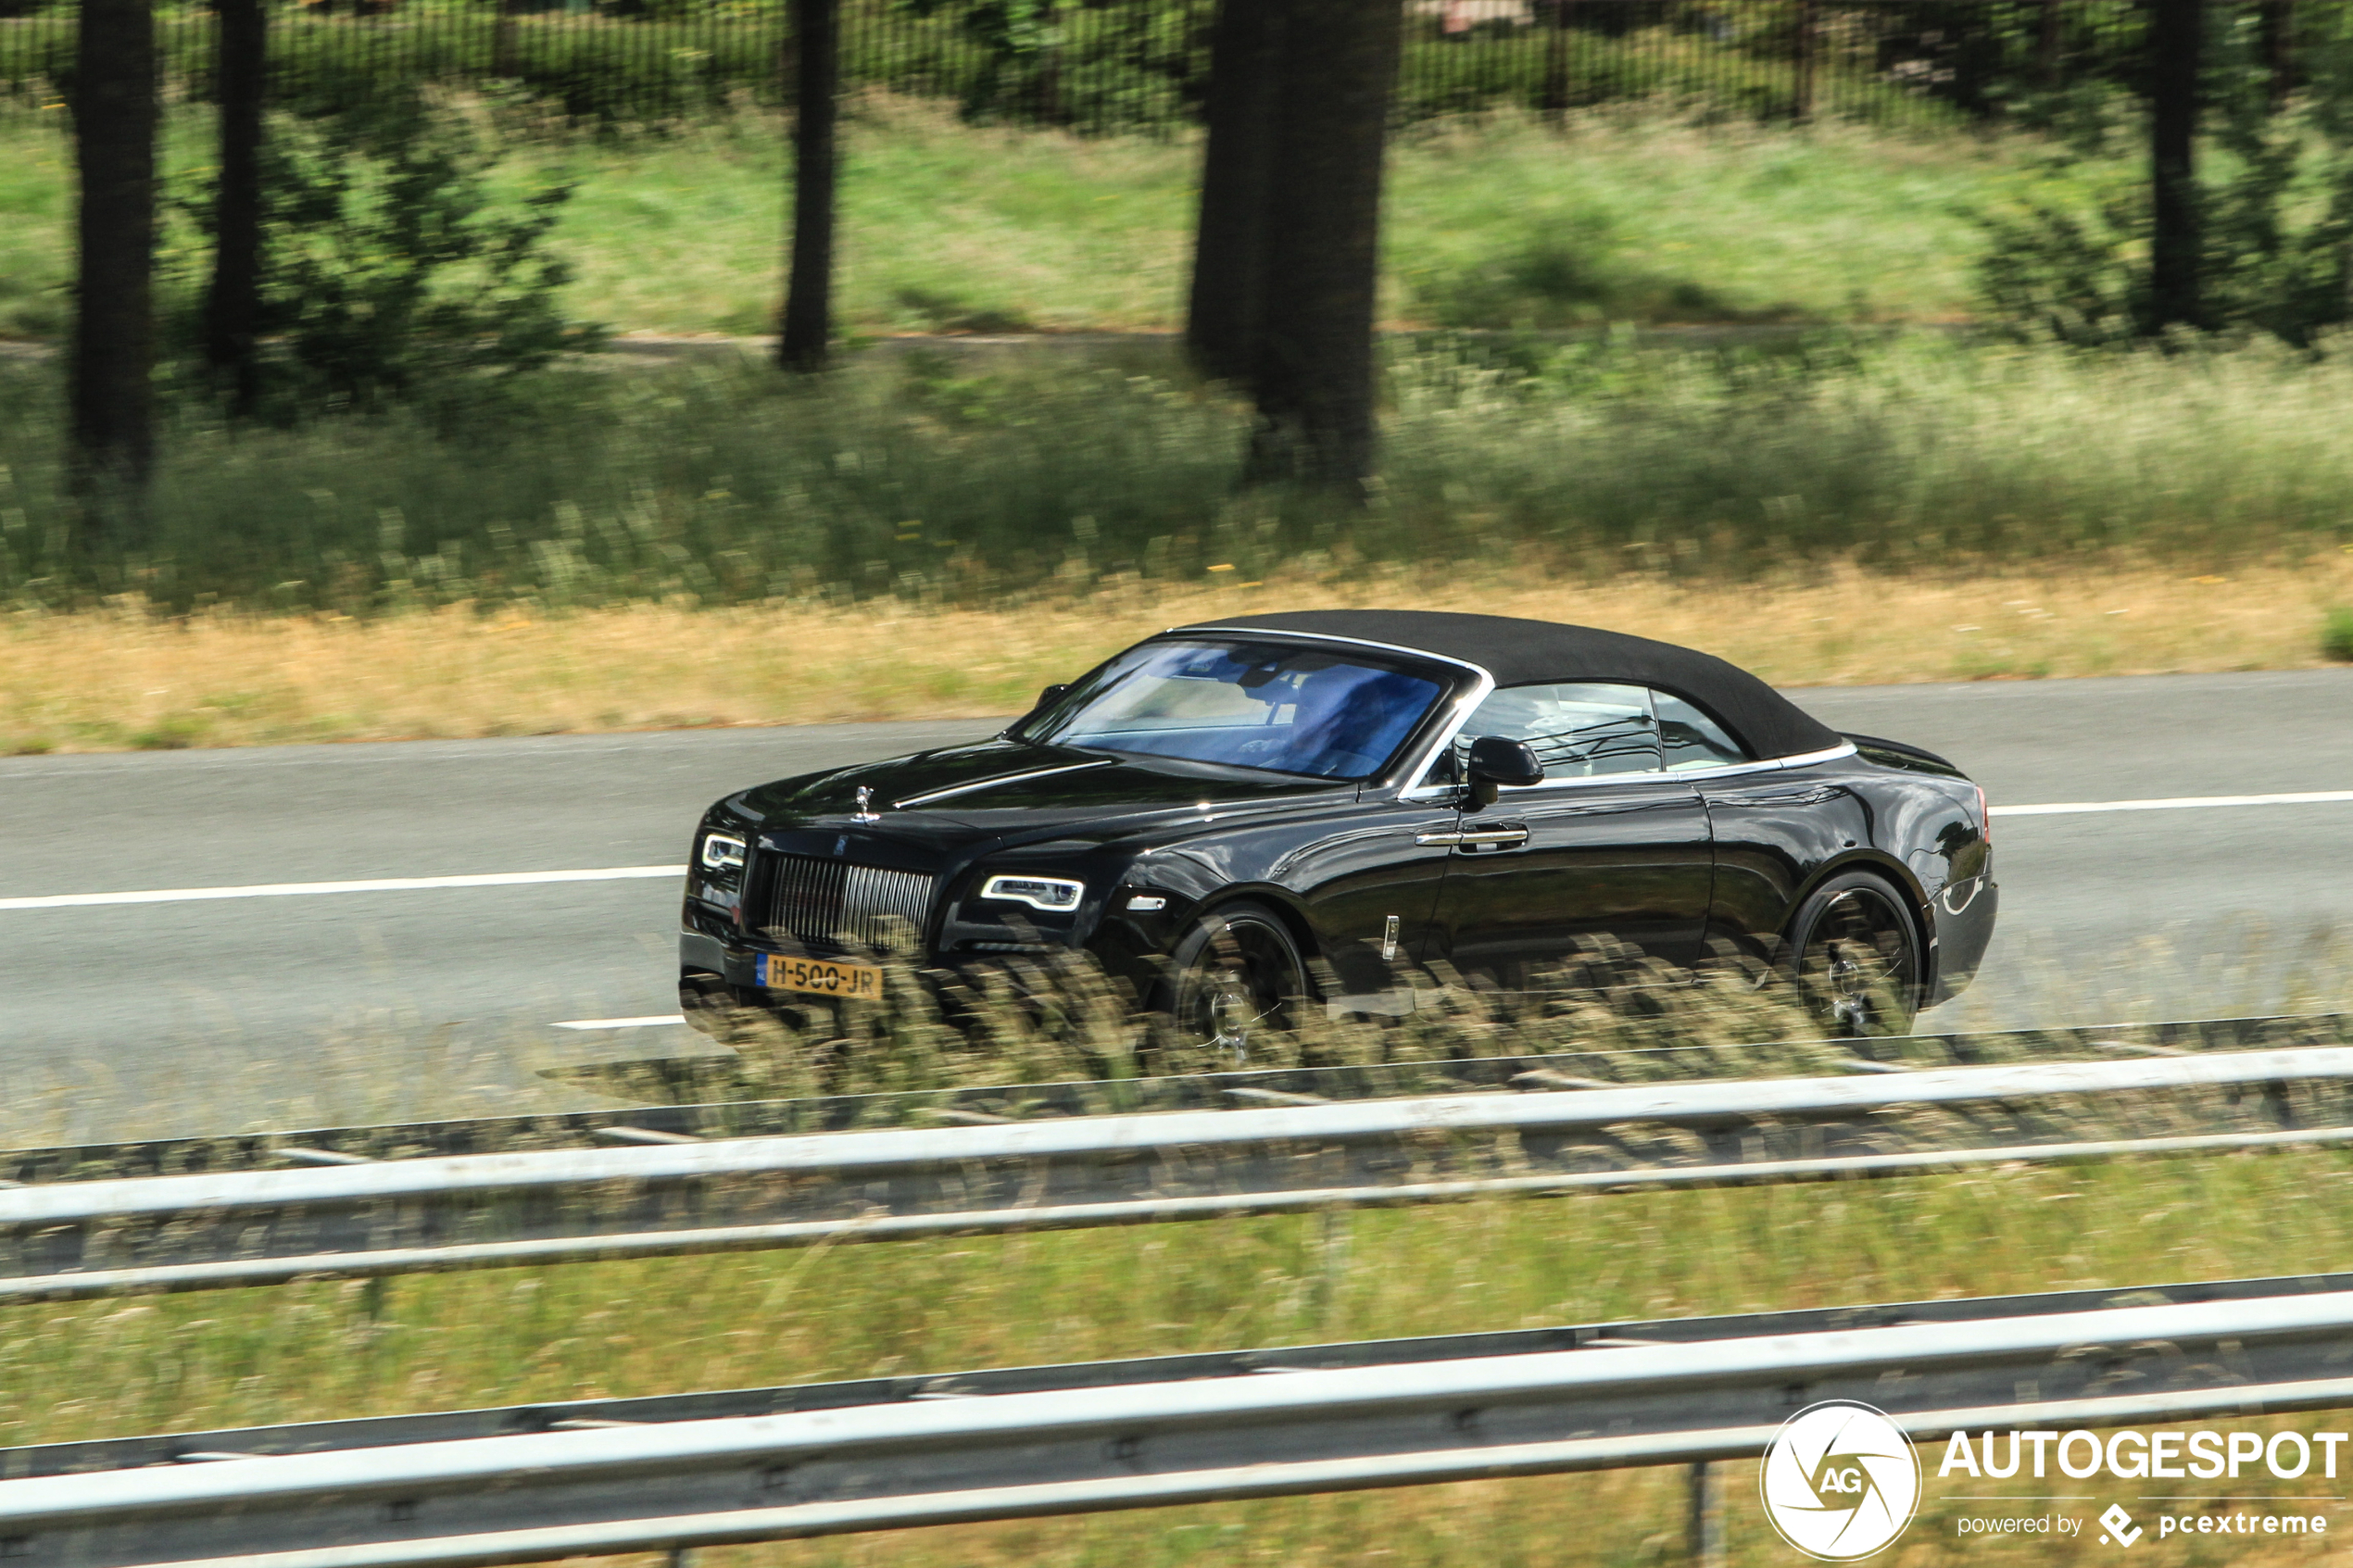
(931, 479)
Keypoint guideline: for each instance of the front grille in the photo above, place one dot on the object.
(830, 903)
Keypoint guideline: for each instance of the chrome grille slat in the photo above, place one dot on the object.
(832, 902)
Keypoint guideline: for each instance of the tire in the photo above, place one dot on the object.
(1854, 956)
(1237, 974)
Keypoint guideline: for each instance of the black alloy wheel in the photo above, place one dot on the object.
(1857, 956)
(1238, 976)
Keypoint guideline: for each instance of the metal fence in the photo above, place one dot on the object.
(1143, 65)
(682, 1196)
(536, 1483)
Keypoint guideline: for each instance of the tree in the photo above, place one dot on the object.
(111, 399)
(805, 337)
(2175, 33)
(233, 306)
(1312, 371)
(1224, 309)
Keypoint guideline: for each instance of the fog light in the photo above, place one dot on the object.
(1050, 893)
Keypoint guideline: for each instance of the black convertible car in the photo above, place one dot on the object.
(1238, 818)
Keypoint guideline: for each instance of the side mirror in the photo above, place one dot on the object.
(1496, 762)
(1047, 698)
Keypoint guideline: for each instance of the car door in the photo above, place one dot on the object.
(1369, 884)
(1609, 846)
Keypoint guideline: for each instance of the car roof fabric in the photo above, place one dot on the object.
(1520, 653)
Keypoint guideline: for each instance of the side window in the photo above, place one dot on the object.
(1690, 739)
(1577, 731)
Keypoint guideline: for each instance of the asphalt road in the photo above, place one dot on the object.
(146, 1017)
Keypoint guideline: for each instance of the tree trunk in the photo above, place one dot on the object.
(1314, 372)
(1223, 314)
(2279, 50)
(1802, 76)
(2175, 34)
(233, 310)
(505, 43)
(1553, 97)
(114, 339)
(807, 334)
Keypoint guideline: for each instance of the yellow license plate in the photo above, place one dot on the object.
(821, 977)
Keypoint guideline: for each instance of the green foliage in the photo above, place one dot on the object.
(2275, 237)
(389, 275)
(983, 479)
(2336, 634)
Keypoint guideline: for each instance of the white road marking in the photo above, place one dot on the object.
(626, 873)
(623, 1023)
(2179, 803)
(307, 889)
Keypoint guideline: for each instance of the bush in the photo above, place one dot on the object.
(387, 275)
(2336, 634)
(2275, 244)
(933, 479)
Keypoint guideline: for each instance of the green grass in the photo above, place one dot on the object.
(315, 1351)
(950, 227)
(924, 478)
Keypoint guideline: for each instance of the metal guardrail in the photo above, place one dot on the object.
(750, 1118)
(238, 1228)
(473, 1488)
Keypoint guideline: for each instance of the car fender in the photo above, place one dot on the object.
(1917, 900)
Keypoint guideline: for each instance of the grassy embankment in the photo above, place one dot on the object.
(313, 1351)
(947, 227)
(707, 546)
(113, 682)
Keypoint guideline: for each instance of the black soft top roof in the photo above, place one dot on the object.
(1520, 653)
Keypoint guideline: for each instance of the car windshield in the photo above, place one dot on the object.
(1285, 709)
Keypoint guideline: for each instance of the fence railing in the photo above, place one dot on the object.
(83, 1239)
(1593, 1066)
(542, 1482)
(1128, 65)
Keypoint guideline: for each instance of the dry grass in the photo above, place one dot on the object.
(123, 681)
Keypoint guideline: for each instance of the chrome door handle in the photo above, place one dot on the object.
(1496, 836)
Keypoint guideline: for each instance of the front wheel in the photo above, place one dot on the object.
(1238, 976)
(1857, 956)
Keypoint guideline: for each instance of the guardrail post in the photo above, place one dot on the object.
(1704, 1530)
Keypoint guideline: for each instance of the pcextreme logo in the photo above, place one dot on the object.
(1840, 1481)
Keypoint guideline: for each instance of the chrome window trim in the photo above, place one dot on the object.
(1807, 759)
(1484, 687)
(1731, 770)
(1464, 706)
(1329, 637)
(1477, 693)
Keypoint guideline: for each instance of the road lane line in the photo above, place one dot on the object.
(2179, 803)
(623, 1023)
(626, 873)
(308, 889)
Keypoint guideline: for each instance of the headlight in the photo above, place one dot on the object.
(721, 853)
(1052, 893)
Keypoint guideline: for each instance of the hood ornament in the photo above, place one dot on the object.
(866, 813)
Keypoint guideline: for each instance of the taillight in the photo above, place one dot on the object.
(1985, 818)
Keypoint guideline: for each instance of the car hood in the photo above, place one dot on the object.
(1012, 789)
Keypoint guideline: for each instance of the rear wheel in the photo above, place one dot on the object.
(1857, 956)
(1239, 977)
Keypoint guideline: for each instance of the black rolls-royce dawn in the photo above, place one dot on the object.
(1238, 818)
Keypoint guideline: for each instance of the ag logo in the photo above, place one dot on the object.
(1840, 1481)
